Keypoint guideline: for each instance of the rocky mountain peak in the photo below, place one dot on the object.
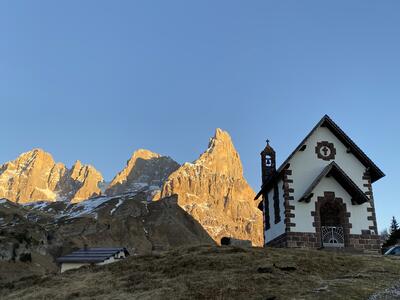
(213, 190)
(33, 156)
(86, 180)
(34, 176)
(143, 153)
(80, 172)
(145, 169)
(31, 176)
(221, 156)
(77, 165)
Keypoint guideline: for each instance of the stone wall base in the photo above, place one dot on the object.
(365, 242)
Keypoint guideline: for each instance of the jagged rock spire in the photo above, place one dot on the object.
(213, 191)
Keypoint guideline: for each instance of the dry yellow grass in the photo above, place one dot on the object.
(208, 272)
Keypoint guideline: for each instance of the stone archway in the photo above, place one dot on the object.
(331, 221)
(331, 213)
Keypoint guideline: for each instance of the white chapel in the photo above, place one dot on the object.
(321, 196)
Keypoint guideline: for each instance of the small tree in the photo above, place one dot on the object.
(394, 234)
(394, 226)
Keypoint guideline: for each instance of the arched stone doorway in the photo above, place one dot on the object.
(331, 221)
(331, 214)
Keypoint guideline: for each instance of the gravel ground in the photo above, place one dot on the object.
(387, 294)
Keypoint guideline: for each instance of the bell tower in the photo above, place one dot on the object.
(268, 165)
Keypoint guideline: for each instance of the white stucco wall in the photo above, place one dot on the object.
(70, 266)
(359, 214)
(279, 228)
(306, 166)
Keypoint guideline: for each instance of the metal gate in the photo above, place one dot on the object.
(332, 236)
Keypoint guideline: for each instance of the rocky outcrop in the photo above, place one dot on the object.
(82, 182)
(24, 241)
(132, 222)
(145, 169)
(33, 235)
(214, 191)
(35, 175)
(32, 176)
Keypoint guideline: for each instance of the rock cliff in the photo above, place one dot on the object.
(145, 169)
(35, 176)
(32, 235)
(81, 183)
(213, 190)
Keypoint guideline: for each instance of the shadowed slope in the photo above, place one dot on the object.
(206, 272)
(31, 236)
(145, 169)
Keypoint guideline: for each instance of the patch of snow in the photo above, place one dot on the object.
(103, 186)
(120, 201)
(214, 230)
(139, 185)
(146, 206)
(37, 205)
(63, 198)
(86, 207)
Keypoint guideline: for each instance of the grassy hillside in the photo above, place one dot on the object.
(209, 272)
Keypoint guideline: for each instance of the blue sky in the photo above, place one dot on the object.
(95, 80)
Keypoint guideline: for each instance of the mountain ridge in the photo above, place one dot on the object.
(35, 176)
(212, 189)
(144, 168)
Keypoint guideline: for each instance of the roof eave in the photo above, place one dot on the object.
(358, 196)
(344, 138)
(376, 173)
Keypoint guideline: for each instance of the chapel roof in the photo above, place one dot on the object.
(91, 255)
(327, 122)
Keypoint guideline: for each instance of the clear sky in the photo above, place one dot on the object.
(95, 80)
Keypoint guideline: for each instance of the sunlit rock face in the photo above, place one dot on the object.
(144, 170)
(81, 183)
(35, 176)
(213, 190)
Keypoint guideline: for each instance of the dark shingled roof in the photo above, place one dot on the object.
(91, 255)
(327, 122)
(358, 196)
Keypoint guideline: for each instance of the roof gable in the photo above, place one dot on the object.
(327, 122)
(358, 196)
